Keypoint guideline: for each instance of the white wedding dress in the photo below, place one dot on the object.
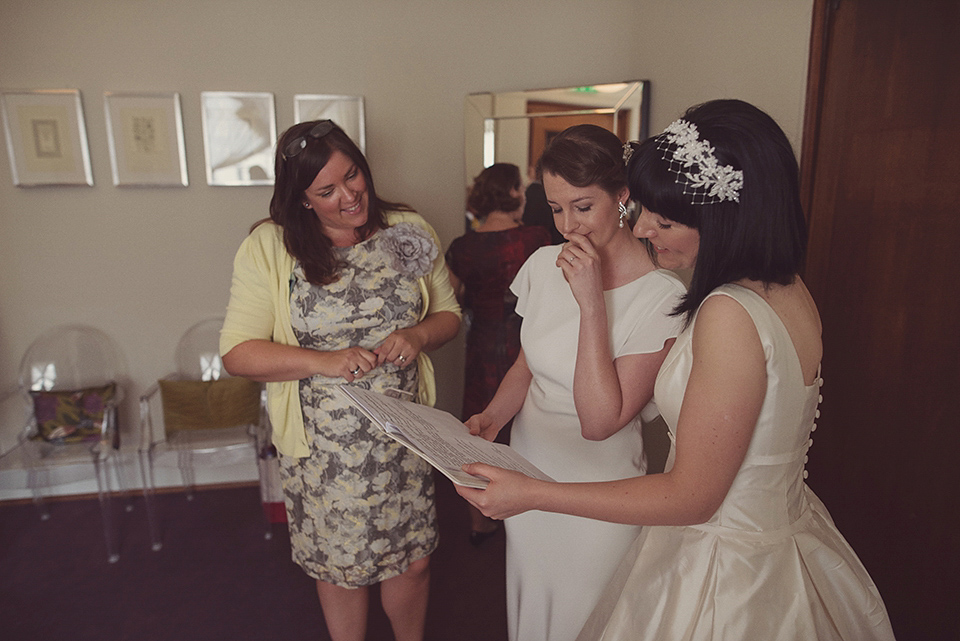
(558, 565)
(770, 564)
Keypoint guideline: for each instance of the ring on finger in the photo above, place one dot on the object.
(401, 358)
(355, 371)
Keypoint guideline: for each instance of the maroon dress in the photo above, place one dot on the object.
(486, 263)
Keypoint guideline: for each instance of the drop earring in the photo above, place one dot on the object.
(623, 214)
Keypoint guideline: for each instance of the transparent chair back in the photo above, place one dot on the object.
(198, 352)
(197, 358)
(63, 359)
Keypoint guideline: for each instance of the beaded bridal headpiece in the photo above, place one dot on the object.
(698, 171)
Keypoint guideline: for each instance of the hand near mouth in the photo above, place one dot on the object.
(580, 264)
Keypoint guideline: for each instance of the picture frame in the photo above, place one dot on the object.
(46, 137)
(239, 137)
(145, 135)
(346, 111)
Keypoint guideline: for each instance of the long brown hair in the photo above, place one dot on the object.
(303, 234)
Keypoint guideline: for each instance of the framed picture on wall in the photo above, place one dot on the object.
(145, 133)
(46, 137)
(239, 137)
(346, 111)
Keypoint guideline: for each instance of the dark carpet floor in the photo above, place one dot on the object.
(216, 577)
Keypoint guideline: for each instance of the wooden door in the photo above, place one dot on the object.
(881, 176)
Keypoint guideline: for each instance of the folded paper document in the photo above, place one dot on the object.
(437, 436)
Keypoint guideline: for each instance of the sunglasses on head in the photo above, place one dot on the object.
(299, 143)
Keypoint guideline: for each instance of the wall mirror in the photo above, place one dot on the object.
(514, 126)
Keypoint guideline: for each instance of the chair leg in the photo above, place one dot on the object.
(101, 466)
(37, 477)
(149, 499)
(121, 486)
(185, 463)
(263, 457)
(41, 505)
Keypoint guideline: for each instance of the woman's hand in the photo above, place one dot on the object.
(404, 345)
(350, 363)
(580, 264)
(508, 493)
(400, 348)
(483, 425)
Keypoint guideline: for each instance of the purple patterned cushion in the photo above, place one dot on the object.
(70, 416)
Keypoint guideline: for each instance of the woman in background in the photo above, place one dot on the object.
(738, 546)
(596, 327)
(482, 265)
(341, 287)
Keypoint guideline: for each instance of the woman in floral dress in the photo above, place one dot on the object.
(339, 286)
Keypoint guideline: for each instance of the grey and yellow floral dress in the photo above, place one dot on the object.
(361, 506)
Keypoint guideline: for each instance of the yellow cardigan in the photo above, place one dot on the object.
(259, 308)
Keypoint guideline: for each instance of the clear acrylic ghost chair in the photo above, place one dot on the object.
(209, 418)
(70, 379)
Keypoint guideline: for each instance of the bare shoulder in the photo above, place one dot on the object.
(798, 313)
(720, 313)
(724, 333)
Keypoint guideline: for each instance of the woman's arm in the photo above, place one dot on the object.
(505, 403)
(607, 393)
(265, 361)
(610, 393)
(720, 409)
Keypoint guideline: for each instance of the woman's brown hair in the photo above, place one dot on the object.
(491, 190)
(303, 235)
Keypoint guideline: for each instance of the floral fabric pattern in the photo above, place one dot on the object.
(361, 507)
(72, 416)
(411, 249)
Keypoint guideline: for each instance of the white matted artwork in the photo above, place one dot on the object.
(46, 137)
(239, 136)
(346, 111)
(145, 132)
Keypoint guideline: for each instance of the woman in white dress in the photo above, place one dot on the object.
(739, 547)
(596, 327)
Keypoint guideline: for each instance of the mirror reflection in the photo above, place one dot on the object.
(514, 126)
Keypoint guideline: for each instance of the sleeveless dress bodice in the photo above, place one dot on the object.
(770, 563)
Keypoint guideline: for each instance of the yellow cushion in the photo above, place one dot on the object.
(201, 405)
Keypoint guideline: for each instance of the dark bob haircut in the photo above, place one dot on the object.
(303, 235)
(762, 237)
(491, 190)
(585, 155)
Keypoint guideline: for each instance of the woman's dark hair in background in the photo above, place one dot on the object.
(491, 190)
(763, 236)
(585, 155)
(302, 233)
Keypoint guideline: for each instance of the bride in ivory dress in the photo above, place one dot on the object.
(735, 544)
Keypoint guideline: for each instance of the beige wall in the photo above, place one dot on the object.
(145, 264)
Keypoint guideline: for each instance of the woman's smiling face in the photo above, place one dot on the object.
(339, 197)
(590, 211)
(676, 245)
